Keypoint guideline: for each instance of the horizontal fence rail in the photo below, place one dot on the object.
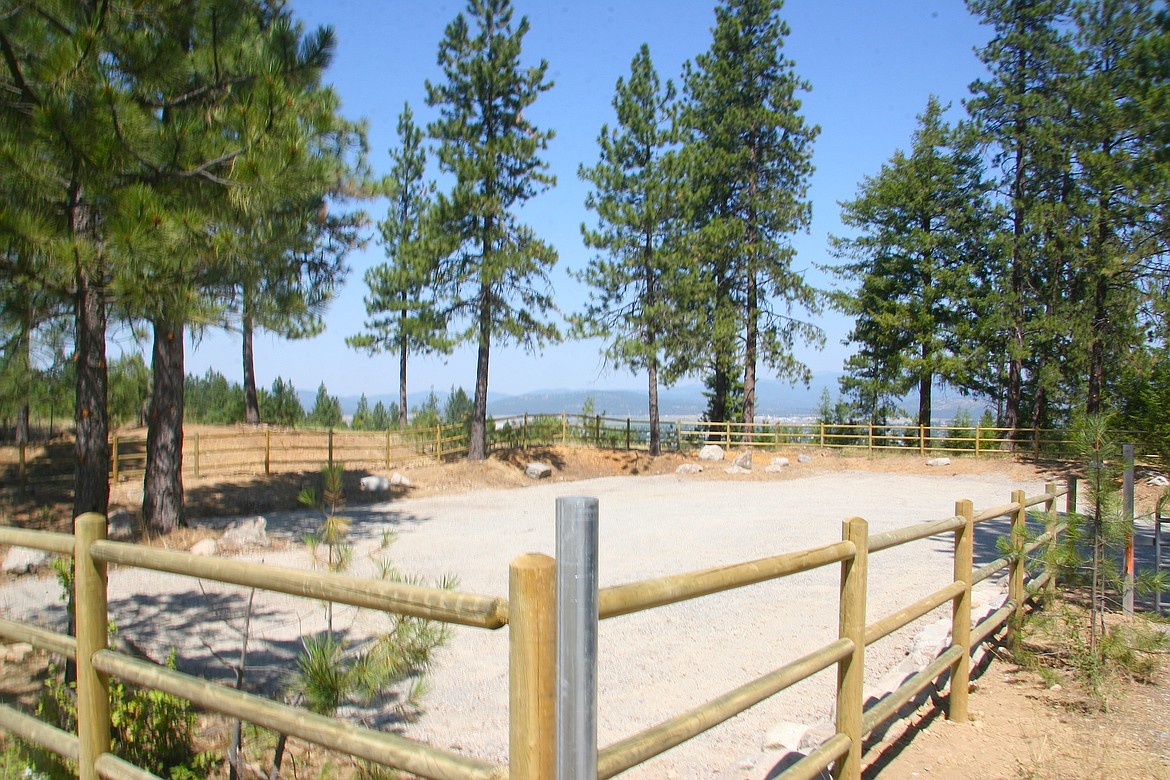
(530, 612)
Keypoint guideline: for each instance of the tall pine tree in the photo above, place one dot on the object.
(749, 158)
(496, 274)
(919, 223)
(405, 313)
(1021, 113)
(639, 288)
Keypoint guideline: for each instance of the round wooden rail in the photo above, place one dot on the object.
(376, 746)
(413, 600)
(40, 733)
(40, 638)
(647, 594)
(644, 745)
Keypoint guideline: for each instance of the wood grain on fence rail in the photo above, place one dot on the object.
(647, 594)
(41, 638)
(449, 606)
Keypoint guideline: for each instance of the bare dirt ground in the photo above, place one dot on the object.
(1021, 727)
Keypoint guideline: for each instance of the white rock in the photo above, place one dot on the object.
(733, 469)
(744, 460)
(22, 559)
(1158, 481)
(207, 547)
(120, 525)
(938, 462)
(781, 462)
(817, 734)
(772, 468)
(688, 468)
(804, 459)
(16, 653)
(399, 479)
(538, 470)
(246, 533)
(711, 452)
(785, 735)
(374, 484)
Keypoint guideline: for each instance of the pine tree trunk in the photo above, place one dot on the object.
(251, 401)
(925, 388)
(477, 444)
(402, 354)
(751, 347)
(23, 349)
(91, 476)
(652, 372)
(162, 498)
(1097, 349)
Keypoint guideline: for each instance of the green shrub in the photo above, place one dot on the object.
(149, 728)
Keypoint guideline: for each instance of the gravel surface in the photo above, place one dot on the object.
(653, 665)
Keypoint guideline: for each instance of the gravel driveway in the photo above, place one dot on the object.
(652, 665)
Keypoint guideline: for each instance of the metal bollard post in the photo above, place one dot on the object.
(577, 541)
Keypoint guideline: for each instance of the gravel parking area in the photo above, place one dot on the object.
(652, 665)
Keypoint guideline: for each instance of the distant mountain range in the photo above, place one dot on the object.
(774, 399)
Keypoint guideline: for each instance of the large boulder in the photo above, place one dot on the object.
(374, 484)
(120, 525)
(938, 462)
(804, 458)
(538, 470)
(399, 480)
(777, 464)
(743, 460)
(246, 533)
(688, 468)
(204, 547)
(711, 452)
(21, 560)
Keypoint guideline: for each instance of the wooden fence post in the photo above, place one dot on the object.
(727, 436)
(822, 434)
(532, 674)
(113, 457)
(524, 431)
(851, 668)
(597, 429)
(627, 433)
(961, 613)
(1070, 499)
(196, 454)
(1016, 567)
(439, 442)
(267, 452)
(387, 448)
(922, 439)
(977, 438)
(93, 688)
(869, 440)
(330, 442)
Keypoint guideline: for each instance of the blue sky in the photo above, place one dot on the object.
(872, 64)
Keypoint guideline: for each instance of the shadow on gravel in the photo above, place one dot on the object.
(206, 628)
(275, 493)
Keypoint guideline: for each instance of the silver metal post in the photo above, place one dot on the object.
(576, 637)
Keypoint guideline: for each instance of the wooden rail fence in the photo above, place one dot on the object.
(268, 451)
(529, 612)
